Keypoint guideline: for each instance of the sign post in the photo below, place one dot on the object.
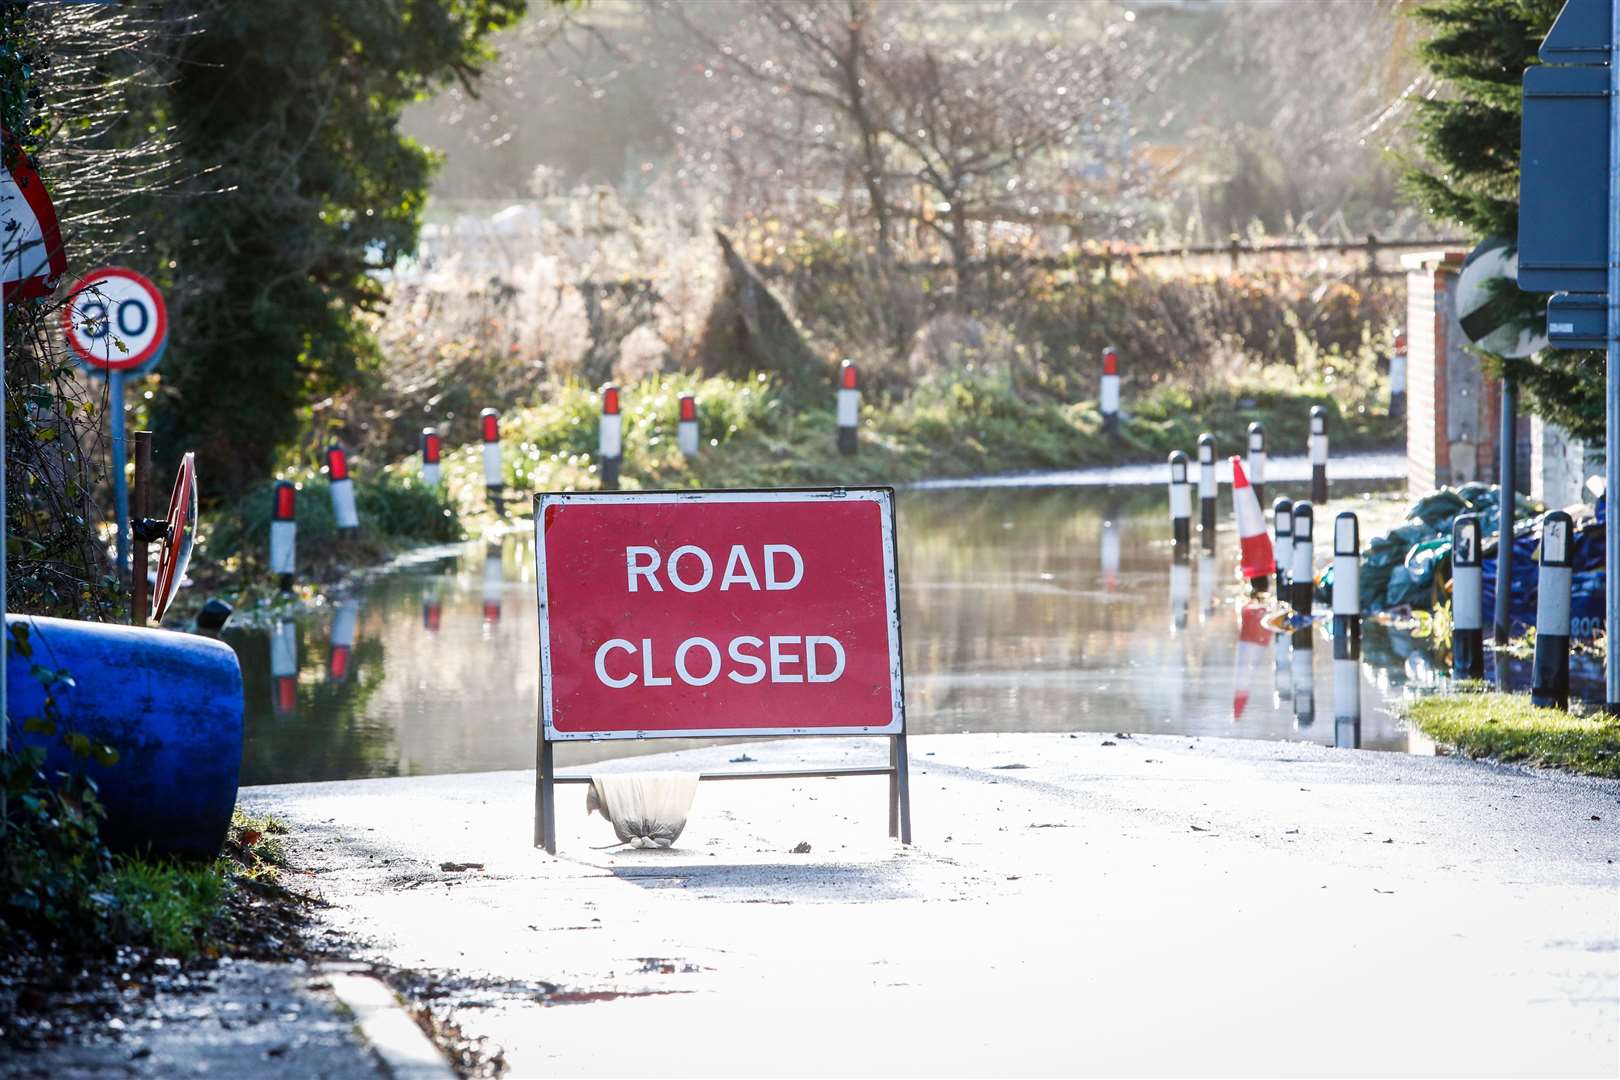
(1569, 223)
(116, 323)
(719, 614)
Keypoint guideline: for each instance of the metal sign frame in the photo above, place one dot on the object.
(546, 778)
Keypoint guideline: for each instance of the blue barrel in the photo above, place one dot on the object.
(170, 704)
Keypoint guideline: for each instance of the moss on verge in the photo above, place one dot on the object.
(1507, 728)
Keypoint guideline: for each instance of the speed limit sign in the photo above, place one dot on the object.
(115, 321)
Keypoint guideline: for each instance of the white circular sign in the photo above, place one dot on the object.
(1485, 316)
(116, 320)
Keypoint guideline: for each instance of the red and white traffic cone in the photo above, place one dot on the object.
(1254, 540)
(610, 439)
(284, 534)
(686, 430)
(432, 445)
(1253, 640)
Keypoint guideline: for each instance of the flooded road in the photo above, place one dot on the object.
(1025, 609)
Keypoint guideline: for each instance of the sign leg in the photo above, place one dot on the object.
(894, 786)
(545, 805)
(120, 455)
(903, 783)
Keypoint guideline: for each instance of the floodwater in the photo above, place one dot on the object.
(1024, 609)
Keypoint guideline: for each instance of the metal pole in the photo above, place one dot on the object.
(5, 631)
(120, 455)
(143, 486)
(1611, 462)
(1507, 467)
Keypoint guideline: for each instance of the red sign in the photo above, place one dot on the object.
(31, 254)
(116, 321)
(719, 613)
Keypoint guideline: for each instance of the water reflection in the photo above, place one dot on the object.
(1024, 610)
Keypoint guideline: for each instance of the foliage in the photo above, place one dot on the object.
(1470, 137)
(1507, 728)
(304, 188)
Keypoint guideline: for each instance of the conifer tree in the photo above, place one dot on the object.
(1469, 134)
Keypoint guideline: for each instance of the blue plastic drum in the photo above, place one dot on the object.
(170, 704)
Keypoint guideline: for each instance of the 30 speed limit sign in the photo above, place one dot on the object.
(116, 322)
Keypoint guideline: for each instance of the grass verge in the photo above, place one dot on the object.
(1507, 728)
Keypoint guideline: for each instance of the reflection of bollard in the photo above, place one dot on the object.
(610, 439)
(1304, 686)
(1397, 378)
(432, 609)
(284, 666)
(1251, 653)
(1207, 489)
(1108, 394)
(1346, 586)
(1346, 699)
(1256, 558)
(1180, 591)
(1206, 585)
(849, 406)
(1282, 517)
(284, 533)
(1319, 454)
(1257, 460)
(1108, 546)
(1180, 504)
(493, 584)
(1304, 572)
(1467, 600)
(432, 445)
(1549, 687)
(337, 470)
(686, 428)
(489, 425)
(344, 619)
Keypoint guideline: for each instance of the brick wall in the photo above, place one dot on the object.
(1452, 407)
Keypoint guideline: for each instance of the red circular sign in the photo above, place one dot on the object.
(115, 320)
(175, 555)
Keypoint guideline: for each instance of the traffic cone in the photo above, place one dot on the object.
(1259, 562)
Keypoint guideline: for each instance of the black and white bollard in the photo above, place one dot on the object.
(1549, 686)
(1180, 593)
(1346, 586)
(337, 473)
(1180, 504)
(1397, 378)
(610, 439)
(489, 426)
(1207, 490)
(344, 620)
(1304, 572)
(1257, 460)
(1347, 632)
(1467, 600)
(432, 446)
(849, 406)
(284, 533)
(686, 428)
(1319, 454)
(1108, 392)
(284, 666)
(1282, 519)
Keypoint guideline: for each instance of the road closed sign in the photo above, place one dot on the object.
(719, 614)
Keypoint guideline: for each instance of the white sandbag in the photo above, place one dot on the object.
(646, 809)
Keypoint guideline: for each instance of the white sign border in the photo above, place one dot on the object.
(883, 496)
